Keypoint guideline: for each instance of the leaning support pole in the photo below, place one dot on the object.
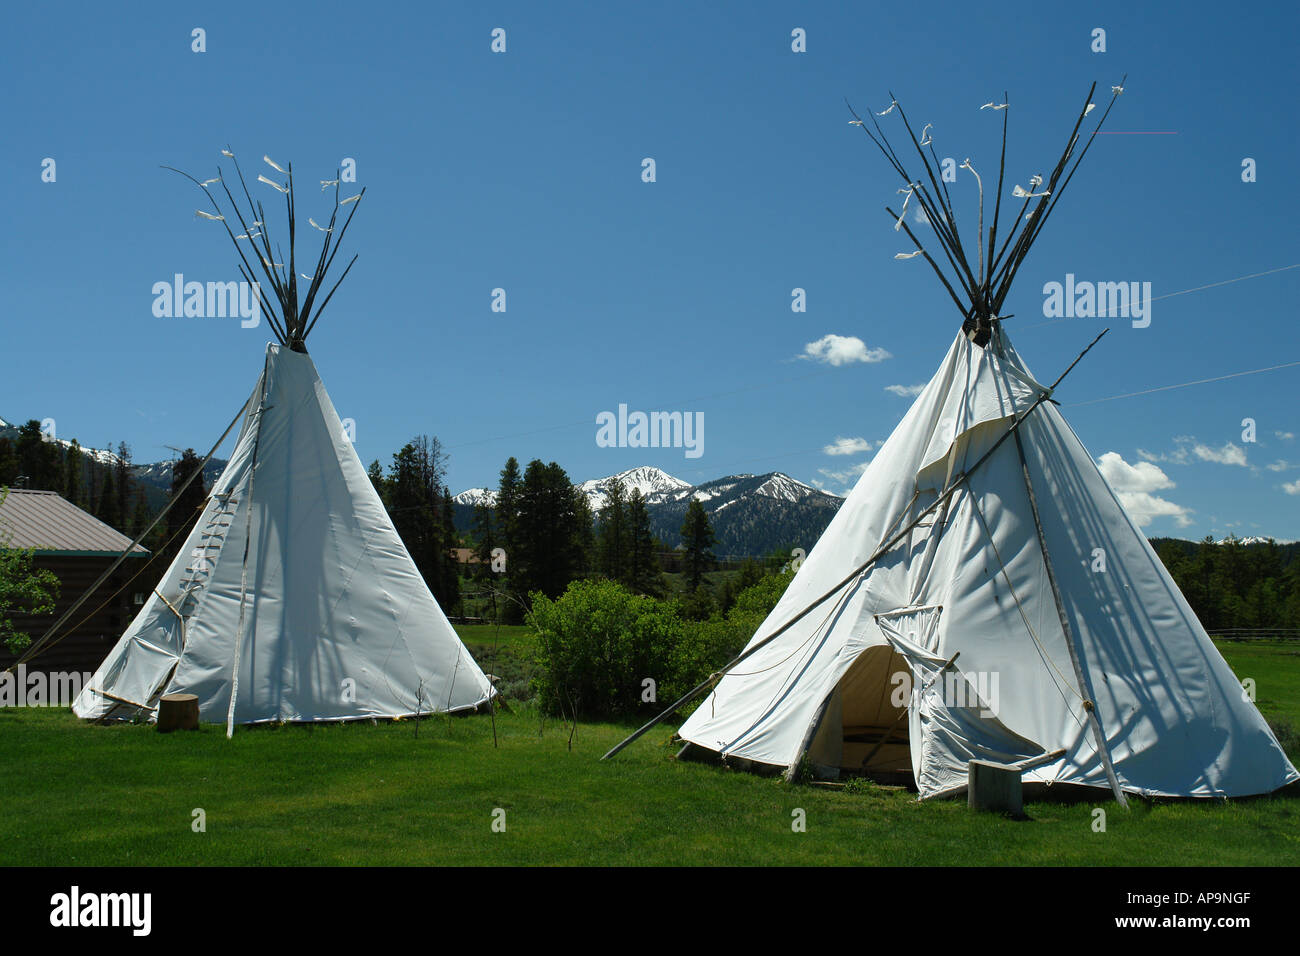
(879, 553)
(37, 647)
(1076, 652)
(1085, 688)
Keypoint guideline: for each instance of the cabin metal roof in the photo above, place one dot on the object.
(47, 523)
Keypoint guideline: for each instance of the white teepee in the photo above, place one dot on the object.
(293, 598)
(866, 676)
(982, 594)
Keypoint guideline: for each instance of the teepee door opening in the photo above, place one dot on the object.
(864, 729)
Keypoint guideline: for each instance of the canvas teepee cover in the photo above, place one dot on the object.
(293, 594)
(971, 581)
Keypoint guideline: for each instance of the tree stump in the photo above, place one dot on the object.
(994, 787)
(178, 712)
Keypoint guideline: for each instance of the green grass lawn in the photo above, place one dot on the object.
(508, 652)
(487, 635)
(77, 794)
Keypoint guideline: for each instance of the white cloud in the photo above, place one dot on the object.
(1122, 476)
(1144, 508)
(1188, 448)
(848, 446)
(842, 350)
(1134, 484)
(1179, 456)
(906, 391)
(846, 476)
(1291, 487)
(1229, 454)
(1279, 465)
(1285, 436)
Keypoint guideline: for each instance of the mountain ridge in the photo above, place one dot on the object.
(751, 514)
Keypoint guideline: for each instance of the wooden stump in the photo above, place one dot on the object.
(178, 712)
(992, 786)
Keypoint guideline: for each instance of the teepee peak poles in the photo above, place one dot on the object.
(933, 264)
(1048, 203)
(256, 228)
(996, 267)
(321, 267)
(940, 218)
(1032, 223)
(946, 224)
(987, 277)
(247, 269)
(979, 230)
(320, 273)
(258, 216)
(291, 323)
(292, 263)
(949, 224)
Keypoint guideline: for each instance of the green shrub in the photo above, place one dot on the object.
(598, 643)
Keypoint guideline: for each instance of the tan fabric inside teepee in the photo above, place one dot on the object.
(862, 713)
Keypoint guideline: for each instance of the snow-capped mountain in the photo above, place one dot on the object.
(101, 455)
(474, 497)
(750, 514)
(655, 486)
(784, 488)
(1254, 539)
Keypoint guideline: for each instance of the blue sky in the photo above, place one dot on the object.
(522, 170)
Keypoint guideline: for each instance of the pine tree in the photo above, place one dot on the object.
(508, 493)
(184, 514)
(8, 463)
(108, 510)
(376, 475)
(40, 461)
(613, 533)
(92, 484)
(548, 532)
(697, 539)
(414, 509)
(73, 474)
(642, 568)
(124, 485)
(585, 535)
(451, 566)
(140, 513)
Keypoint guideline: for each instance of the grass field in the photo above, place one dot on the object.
(75, 794)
